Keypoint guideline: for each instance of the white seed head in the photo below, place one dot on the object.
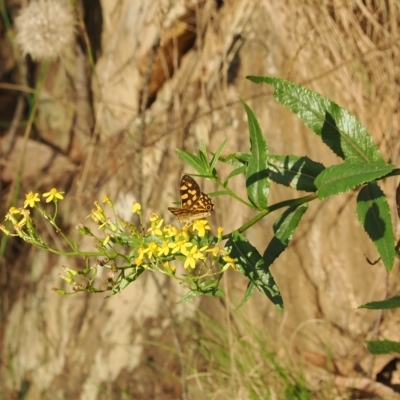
(45, 28)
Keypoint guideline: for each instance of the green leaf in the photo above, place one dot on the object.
(257, 181)
(236, 159)
(284, 228)
(218, 193)
(383, 346)
(343, 177)
(203, 159)
(249, 291)
(250, 263)
(203, 149)
(193, 161)
(206, 240)
(235, 172)
(208, 288)
(217, 154)
(337, 128)
(296, 172)
(374, 214)
(393, 302)
(127, 280)
(188, 296)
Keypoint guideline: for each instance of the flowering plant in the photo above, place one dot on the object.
(129, 249)
(152, 248)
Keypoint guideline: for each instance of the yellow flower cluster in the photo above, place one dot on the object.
(20, 217)
(127, 249)
(160, 244)
(164, 243)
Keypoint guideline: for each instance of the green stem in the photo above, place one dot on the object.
(232, 194)
(52, 220)
(274, 207)
(74, 253)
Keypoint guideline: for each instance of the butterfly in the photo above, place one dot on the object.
(195, 203)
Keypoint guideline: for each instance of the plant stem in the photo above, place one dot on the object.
(274, 207)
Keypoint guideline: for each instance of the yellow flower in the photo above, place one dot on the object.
(171, 269)
(24, 220)
(163, 250)
(98, 216)
(170, 231)
(138, 261)
(30, 199)
(141, 253)
(156, 223)
(220, 232)
(5, 230)
(201, 226)
(98, 206)
(215, 251)
(155, 229)
(152, 249)
(154, 218)
(230, 262)
(183, 234)
(53, 195)
(107, 200)
(180, 246)
(10, 215)
(136, 208)
(192, 256)
(185, 230)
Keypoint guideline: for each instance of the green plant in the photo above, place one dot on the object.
(129, 250)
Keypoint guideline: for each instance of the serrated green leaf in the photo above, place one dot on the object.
(250, 263)
(374, 215)
(193, 161)
(284, 228)
(296, 172)
(337, 128)
(393, 302)
(383, 346)
(343, 177)
(257, 180)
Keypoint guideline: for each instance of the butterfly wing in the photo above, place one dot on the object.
(190, 192)
(195, 203)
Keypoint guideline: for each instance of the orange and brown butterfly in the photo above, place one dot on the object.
(195, 203)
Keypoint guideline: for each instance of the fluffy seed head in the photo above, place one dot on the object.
(45, 28)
